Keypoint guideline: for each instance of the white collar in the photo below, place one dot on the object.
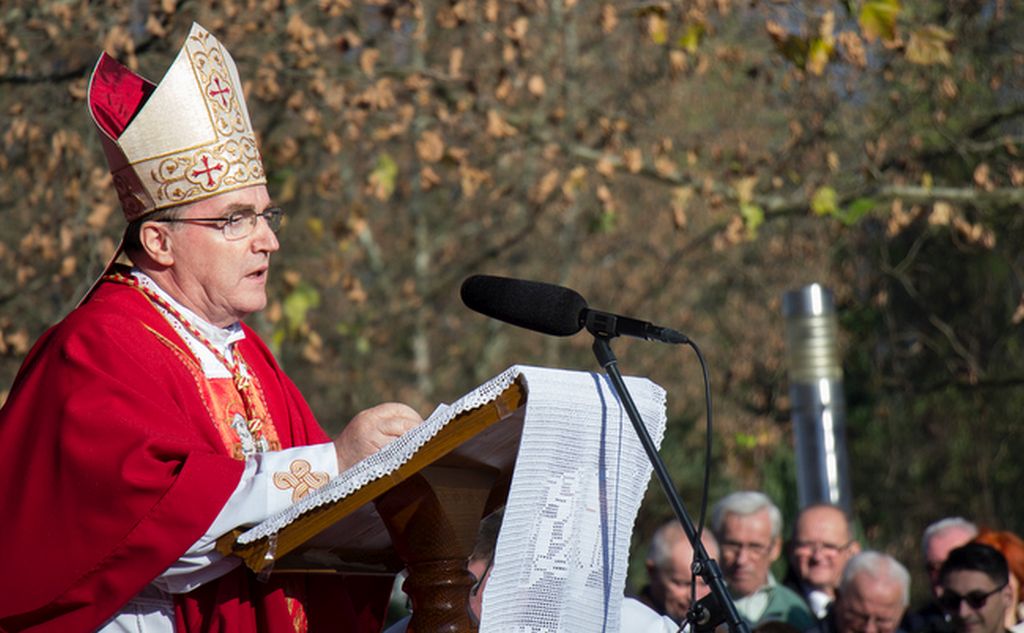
(221, 338)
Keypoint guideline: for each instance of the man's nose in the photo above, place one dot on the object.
(264, 238)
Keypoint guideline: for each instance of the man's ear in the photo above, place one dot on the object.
(776, 548)
(854, 547)
(156, 242)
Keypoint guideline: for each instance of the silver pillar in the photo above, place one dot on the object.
(816, 395)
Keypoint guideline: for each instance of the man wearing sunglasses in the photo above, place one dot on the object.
(152, 421)
(975, 588)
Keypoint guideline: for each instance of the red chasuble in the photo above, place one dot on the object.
(112, 468)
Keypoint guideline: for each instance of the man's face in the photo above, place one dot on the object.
(821, 546)
(976, 603)
(938, 549)
(869, 605)
(672, 585)
(748, 551)
(221, 280)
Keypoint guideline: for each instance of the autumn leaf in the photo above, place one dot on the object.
(825, 201)
(536, 86)
(609, 18)
(430, 147)
(383, 177)
(745, 188)
(497, 126)
(368, 61)
(605, 166)
(792, 47)
(877, 19)
(819, 51)
(634, 160)
(856, 210)
(657, 27)
(929, 45)
(455, 62)
(941, 215)
(693, 33)
(517, 30)
(680, 201)
(853, 49)
(297, 304)
(753, 218)
(315, 226)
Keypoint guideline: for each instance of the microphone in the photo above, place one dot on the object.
(554, 310)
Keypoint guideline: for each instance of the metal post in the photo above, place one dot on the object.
(816, 394)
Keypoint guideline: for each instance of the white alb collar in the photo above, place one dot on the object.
(221, 338)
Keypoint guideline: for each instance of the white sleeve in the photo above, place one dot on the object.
(257, 497)
(637, 617)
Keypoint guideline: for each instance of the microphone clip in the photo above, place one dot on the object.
(607, 325)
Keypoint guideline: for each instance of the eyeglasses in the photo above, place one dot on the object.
(950, 600)
(809, 547)
(237, 225)
(756, 550)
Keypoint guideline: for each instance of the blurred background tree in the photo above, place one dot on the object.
(686, 161)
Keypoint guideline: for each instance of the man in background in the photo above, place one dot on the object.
(748, 527)
(670, 589)
(938, 540)
(822, 544)
(976, 592)
(872, 596)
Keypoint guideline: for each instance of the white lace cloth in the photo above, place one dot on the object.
(560, 563)
(581, 472)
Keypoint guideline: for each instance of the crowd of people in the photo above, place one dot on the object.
(833, 584)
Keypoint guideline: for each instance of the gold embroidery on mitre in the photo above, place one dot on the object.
(301, 479)
(215, 152)
(230, 165)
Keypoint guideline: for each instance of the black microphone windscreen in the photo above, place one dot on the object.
(532, 305)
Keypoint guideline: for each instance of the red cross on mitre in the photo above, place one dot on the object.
(220, 91)
(206, 171)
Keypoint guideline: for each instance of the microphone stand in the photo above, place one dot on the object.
(717, 607)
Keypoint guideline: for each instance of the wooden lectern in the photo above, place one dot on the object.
(423, 516)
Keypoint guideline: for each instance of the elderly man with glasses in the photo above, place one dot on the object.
(976, 592)
(822, 543)
(748, 527)
(152, 421)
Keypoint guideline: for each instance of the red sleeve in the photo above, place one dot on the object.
(109, 470)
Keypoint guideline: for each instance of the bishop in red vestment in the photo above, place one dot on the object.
(151, 420)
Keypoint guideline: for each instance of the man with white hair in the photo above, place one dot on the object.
(748, 527)
(669, 569)
(872, 597)
(938, 540)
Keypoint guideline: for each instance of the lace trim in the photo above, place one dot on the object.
(387, 460)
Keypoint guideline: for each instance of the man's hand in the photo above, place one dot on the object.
(371, 429)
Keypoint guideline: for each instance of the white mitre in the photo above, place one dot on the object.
(182, 140)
